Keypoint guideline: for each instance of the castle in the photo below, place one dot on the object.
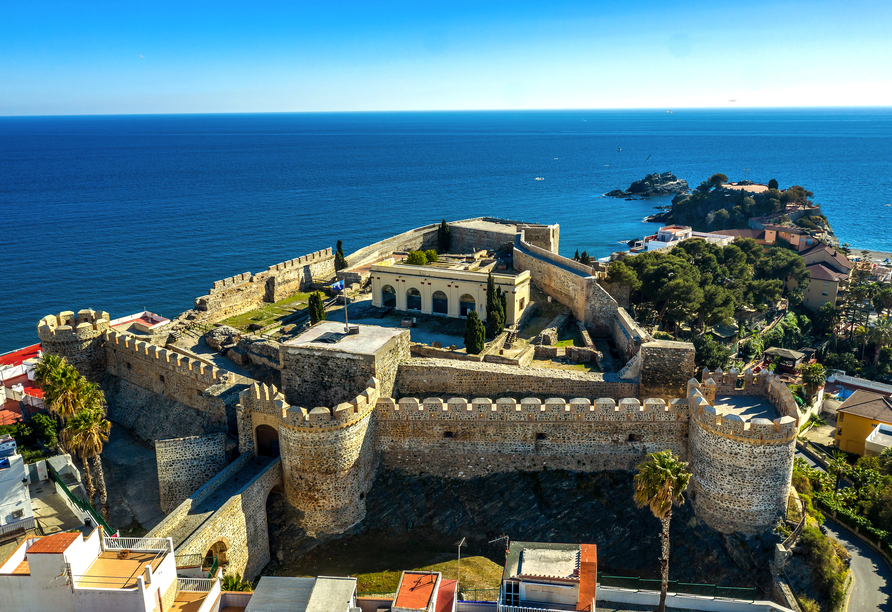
(348, 405)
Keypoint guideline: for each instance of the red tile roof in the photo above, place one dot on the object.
(416, 590)
(54, 544)
(15, 358)
(446, 595)
(588, 576)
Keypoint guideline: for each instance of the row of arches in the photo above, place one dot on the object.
(439, 301)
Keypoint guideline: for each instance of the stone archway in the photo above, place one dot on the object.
(220, 550)
(413, 299)
(267, 441)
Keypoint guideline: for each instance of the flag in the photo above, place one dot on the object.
(338, 286)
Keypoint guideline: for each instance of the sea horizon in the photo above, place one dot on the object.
(130, 212)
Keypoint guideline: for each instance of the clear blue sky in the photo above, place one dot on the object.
(85, 57)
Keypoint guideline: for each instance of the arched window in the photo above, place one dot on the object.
(466, 303)
(413, 299)
(440, 303)
(267, 441)
(388, 297)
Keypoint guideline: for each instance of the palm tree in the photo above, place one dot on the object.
(660, 484)
(234, 582)
(89, 430)
(863, 335)
(882, 301)
(813, 376)
(59, 382)
(880, 333)
(65, 438)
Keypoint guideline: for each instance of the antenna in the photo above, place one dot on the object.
(507, 542)
(745, 170)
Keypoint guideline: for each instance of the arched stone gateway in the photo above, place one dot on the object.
(388, 296)
(267, 441)
(220, 550)
(440, 303)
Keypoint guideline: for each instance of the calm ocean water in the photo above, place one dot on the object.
(133, 212)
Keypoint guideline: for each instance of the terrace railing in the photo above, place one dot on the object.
(147, 544)
(201, 585)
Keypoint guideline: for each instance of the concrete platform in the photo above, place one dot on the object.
(369, 340)
(746, 407)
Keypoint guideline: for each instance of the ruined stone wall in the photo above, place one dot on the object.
(245, 292)
(741, 470)
(420, 238)
(570, 283)
(666, 367)
(464, 239)
(80, 339)
(323, 376)
(421, 377)
(185, 464)
(628, 336)
(466, 438)
(546, 237)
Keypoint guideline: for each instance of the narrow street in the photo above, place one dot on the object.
(873, 578)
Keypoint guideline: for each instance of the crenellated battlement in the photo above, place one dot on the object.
(198, 371)
(530, 409)
(69, 327)
(269, 400)
(301, 261)
(232, 281)
(757, 431)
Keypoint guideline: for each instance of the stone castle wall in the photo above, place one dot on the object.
(185, 464)
(419, 377)
(466, 438)
(628, 336)
(328, 458)
(245, 292)
(570, 283)
(741, 470)
(327, 376)
(666, 367)
(546, 237)
(79, 338)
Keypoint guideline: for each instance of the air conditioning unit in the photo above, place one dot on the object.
(17, 514)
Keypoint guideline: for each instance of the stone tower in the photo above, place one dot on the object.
(78, 338)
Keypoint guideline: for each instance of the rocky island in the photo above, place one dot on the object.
(655, 184)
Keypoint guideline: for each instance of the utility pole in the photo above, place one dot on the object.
(458, 579)
(745, 170)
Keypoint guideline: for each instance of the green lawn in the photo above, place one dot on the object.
(570, 336)
(269, 314)
(476, 573)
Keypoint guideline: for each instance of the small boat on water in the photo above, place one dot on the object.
(540, 178)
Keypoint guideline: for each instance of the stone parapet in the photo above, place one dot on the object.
(68, 327)
(198, 371)
(268, 400)
(530, 409)
(301, 261)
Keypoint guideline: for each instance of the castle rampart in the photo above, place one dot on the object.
(78, 338)
(741, 470)
(447, 377)
(185, 464)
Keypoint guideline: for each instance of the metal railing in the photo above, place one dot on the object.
(213, 569)
(22, 525)
(148, 544)
(479, 594)
(202, 585)
(681, 588)
(83, 504)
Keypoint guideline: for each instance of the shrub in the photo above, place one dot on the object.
(431, 255)
(807, 604)
(828, 572)
(416, 258)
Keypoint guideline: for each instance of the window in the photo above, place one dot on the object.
(541, 436)
(839, 416)
(512, 593)
(129, 367)
(839, 431)
(413, 299)
(440, 303)
(447, 434)
(522, 303)
(824, 293)
(826, 284)
(161, 378)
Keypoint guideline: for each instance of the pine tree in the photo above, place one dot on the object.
(475, 334)
(443, 237)
(495, 308)
(316, 308)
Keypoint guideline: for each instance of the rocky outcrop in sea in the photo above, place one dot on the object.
(655, 184)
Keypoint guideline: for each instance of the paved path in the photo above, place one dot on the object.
(873, 578)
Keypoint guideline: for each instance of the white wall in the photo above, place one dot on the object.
(687, 602)
(550, 593)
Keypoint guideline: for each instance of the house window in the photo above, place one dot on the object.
(839, 431)
(522, 302)
(512, 593)
(823, 293)
(839, 417)
(826, 284)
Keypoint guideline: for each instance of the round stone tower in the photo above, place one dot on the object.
(328, 454)
(741, 470)
(80, 339)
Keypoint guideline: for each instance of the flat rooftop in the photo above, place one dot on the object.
(110, 572)
(746, 407)
(489, 226)
(368, 341)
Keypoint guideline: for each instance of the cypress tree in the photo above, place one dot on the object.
(316, 307)
(584, 259)
(340, 259)
(495, 308)
(475, 334)
(576, 256)
(443, 237)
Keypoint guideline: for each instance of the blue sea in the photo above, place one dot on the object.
(125, 213)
